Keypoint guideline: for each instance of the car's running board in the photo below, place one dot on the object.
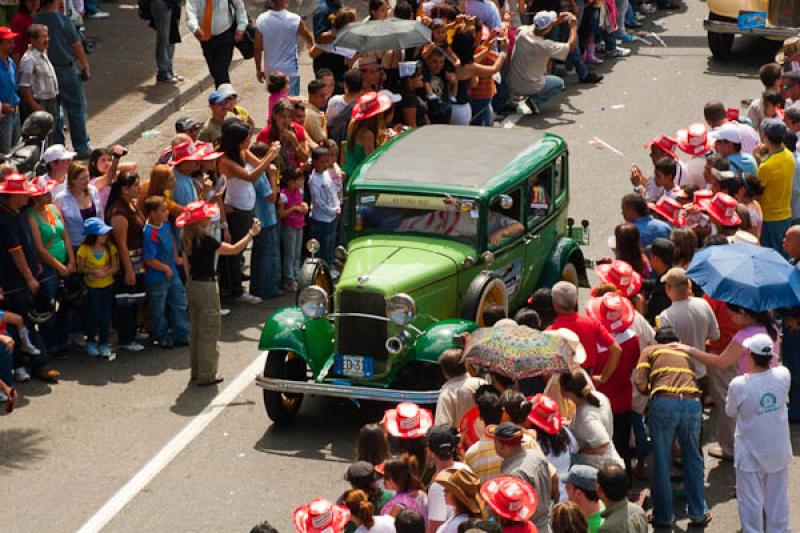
(719, 26)
(347, 391)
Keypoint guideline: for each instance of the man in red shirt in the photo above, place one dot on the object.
(591, 333)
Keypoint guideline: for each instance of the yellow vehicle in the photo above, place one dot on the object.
(783, 20)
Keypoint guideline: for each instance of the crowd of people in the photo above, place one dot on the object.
(103, 256)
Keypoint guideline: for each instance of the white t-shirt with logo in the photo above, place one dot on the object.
(758, 402)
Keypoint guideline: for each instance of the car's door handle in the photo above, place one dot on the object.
(530, 238)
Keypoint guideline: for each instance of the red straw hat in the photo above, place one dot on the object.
(408, 421)
(7, 33)
(370, 105)
(196, 211)
(621, 275)
(612, 310)
(42, 187)
(694, 140)
(471, 427)
(670, 209)
(545, 414)
(510, 498)
(722, 208)
(320, 516)
(666, 143)
(15, 184)
(186, 151)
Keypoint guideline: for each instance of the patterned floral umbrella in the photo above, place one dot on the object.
(519, 352)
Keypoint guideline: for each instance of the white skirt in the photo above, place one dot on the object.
(461, 114)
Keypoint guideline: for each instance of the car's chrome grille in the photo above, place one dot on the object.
(359, 335)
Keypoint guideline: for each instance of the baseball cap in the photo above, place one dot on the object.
(215, 97)
(729, 132)
(442, 439)
(7, 33)
(774, 129)
(662, 248)
(583, 477)
(226, 90)
(394, 97)
(184, 124)
(675, 277)
(57, 152)
(759, 344)
(95, 226)
(505, 431)
(360, 470)
(543, 19)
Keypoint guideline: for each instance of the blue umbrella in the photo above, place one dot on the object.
(749, 276)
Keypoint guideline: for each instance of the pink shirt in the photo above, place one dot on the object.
(295, 219)
(744, 362)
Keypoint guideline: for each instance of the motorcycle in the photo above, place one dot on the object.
(26, 155)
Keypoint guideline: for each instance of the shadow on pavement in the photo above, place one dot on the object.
(20, 447)
(193, 399)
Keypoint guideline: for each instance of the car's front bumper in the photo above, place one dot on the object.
(351, 392)
(720, 26)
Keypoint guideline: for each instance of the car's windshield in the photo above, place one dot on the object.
(405, 213)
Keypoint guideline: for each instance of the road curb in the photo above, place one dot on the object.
(154, 115)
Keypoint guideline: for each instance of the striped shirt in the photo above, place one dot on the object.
(485, 462)
(665, 369)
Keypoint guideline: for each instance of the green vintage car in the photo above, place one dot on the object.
(442, 222)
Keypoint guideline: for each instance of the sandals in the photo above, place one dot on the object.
(702, 522)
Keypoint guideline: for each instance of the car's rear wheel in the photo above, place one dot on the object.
(485, 290)
(720, 44)
(281, 407)
(314, 272)
(570, 274)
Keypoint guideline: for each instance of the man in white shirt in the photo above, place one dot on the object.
(38, 84)
(277, 30)
(527, 72)
(442, 443)
(211, 22)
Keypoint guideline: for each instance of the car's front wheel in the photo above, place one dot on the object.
(281, 407)
(485, 290)
(570, 274)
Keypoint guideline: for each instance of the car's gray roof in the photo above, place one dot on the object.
(460, 156)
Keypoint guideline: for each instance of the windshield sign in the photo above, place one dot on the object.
(430, 215)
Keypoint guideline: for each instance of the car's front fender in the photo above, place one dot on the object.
(438, 337)
(565, 251)
(287, 329)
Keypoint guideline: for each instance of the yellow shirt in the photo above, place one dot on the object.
(776, 174)
(86, 253)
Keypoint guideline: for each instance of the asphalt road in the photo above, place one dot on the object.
(190, 460)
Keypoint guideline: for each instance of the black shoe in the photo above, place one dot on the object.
(592, 77)
(533, 106)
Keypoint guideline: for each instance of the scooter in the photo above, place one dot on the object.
(26, 155)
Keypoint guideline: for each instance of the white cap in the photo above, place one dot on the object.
(759, 344)
(543, 19)
(729, 132)
(394, 97)
(226, 90)
(57, 152)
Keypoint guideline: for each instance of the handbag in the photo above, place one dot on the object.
(247, 45)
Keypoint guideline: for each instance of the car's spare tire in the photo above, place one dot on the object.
(314, 272)
(486, 289)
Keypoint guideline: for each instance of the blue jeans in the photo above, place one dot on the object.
(294, 86)
(73, 101)
(482, 113)
(265, 263)
(90, 7)
(640, 436)
(6, 366)
(574, 59)
(165, 50)
(292, 239)
(599, 32)
(668, 419)
(168, 309)
(99, 310)
(552, 86)
(54, 331)
(622, 9)
(325, 233)
(772, 235)
(9, 131)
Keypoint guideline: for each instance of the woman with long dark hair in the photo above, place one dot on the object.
(629, 248)
(593, 423)
(294, 149)
(467, 71)
(127, 224)
(400, 475)
(78, 202)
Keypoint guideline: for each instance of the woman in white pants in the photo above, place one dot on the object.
(762, 447)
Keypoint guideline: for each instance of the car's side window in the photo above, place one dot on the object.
(559, 179)
(504, 222)
(541, 194)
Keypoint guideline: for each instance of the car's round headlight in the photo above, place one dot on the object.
(313, 301)
(401, 309)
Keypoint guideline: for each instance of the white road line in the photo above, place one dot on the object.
(171, 450)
